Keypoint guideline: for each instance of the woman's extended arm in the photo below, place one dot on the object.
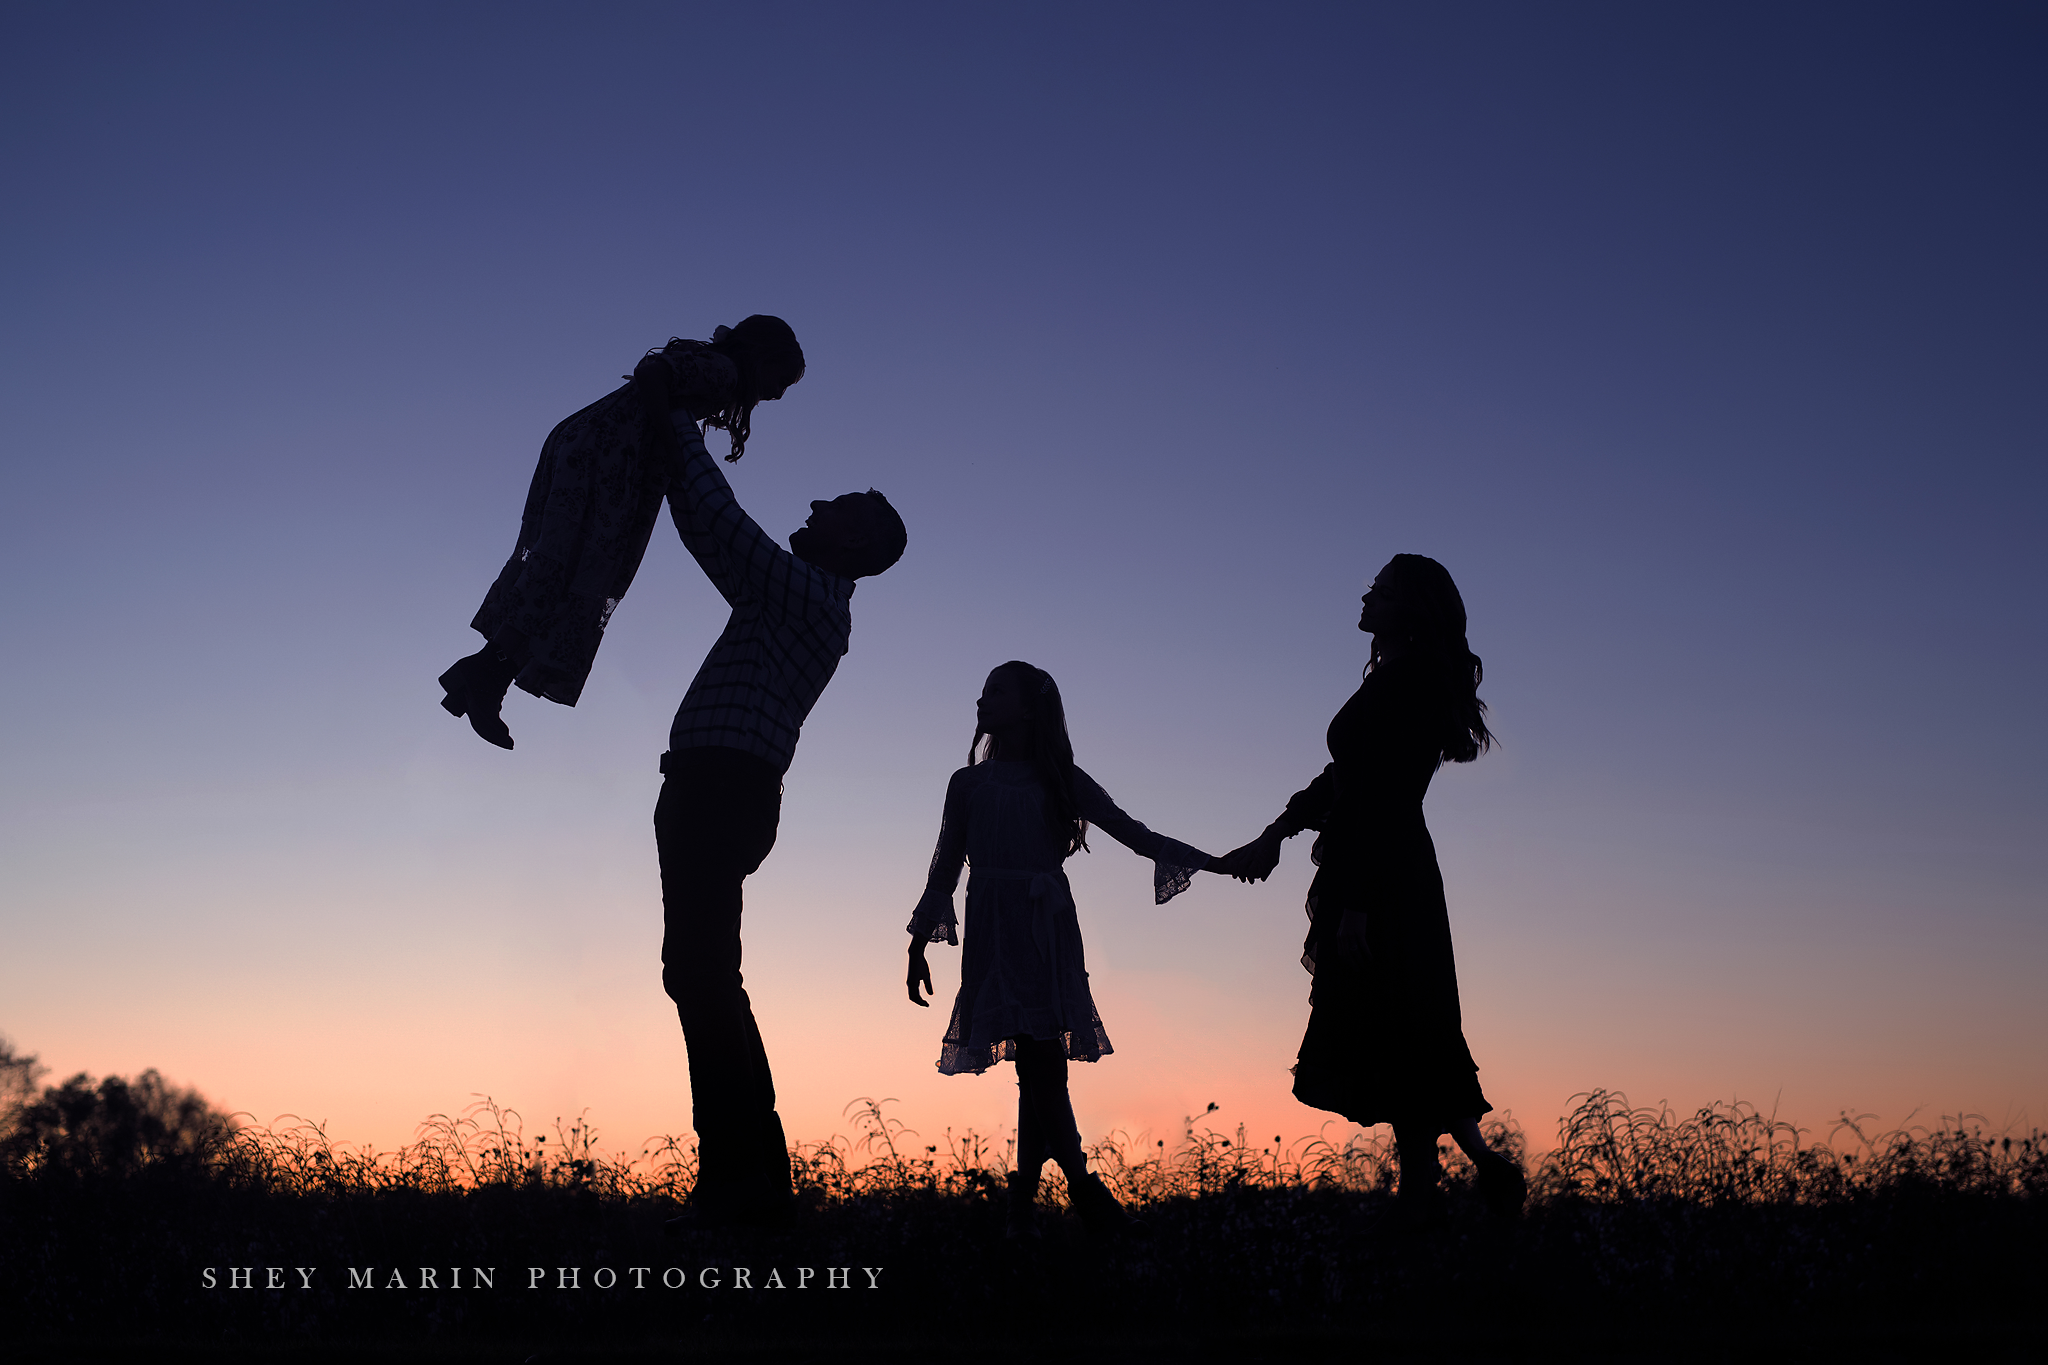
(1306, 809)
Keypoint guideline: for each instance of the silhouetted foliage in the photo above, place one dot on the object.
(114, 1127)
(18, 1077)
(1638, 1216)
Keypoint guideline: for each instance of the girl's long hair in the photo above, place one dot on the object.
(1430, 615)
(760, 343)
(1052, 753)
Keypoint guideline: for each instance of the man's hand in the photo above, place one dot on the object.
(920, 973)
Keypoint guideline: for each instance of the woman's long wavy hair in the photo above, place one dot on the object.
(760, 346)
(1052, 752)
(1429, 615)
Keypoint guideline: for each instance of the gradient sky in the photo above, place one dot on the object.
(1705, 345)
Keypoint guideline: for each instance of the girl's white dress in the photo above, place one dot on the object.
(1022, 973)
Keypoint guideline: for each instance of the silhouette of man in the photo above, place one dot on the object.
(721, 797)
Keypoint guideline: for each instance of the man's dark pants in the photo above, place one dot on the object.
(713, 825)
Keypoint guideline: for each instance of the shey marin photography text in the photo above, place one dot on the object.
(538, 1277)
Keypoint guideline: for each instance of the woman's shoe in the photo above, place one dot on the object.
(1504, 1188)
(1100, 1212)
(476, 687)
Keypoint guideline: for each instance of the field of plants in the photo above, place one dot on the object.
(131, 1212)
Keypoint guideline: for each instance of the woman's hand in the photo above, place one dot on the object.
(920, 973)
(1255, 861)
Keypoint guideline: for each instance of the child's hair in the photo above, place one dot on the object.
(1429, 612)
(760, 343)
(1052, 752)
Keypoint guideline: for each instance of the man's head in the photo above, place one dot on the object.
(856, 535)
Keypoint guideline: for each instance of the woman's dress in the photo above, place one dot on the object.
(1385, 1039)
(590, 511)
(1022, 973)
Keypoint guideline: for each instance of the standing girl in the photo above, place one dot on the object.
(1017, 812)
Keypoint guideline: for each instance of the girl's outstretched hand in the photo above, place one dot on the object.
(920, 973)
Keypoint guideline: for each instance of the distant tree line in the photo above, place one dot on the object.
(112, 1127)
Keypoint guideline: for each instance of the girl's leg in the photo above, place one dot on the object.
(1042, 1088)
(1044, 1105)
(1031, 1149)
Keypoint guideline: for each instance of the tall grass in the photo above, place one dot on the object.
(1637, 1214)
(1607, 1150)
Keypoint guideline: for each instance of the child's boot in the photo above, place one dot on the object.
(476, 687)
(1100, 1212)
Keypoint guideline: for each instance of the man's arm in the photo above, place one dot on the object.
(736, 553)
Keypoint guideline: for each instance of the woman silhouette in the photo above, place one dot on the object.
(1385, 1041)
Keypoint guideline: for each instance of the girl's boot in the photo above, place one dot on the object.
(476, 687)
(1100, 1213)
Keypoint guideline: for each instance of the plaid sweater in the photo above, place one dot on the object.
(789, 628)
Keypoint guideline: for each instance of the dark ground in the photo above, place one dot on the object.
(106, 1268)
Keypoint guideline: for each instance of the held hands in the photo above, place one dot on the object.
(1252, 862)
(920, 973)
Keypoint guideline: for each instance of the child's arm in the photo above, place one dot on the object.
(920, 972)
(1174, 864)
(933, 918)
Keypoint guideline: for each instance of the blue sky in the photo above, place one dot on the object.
(1703, 345)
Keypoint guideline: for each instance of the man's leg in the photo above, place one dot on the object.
(713, 825)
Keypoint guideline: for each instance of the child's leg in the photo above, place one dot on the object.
(1042, 1089)
(1420, 1171)
(1042, 1095)
(1032, 1149)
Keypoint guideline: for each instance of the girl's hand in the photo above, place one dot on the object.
(920, 973)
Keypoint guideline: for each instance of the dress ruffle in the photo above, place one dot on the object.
(933, 919)
(1022, 969)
